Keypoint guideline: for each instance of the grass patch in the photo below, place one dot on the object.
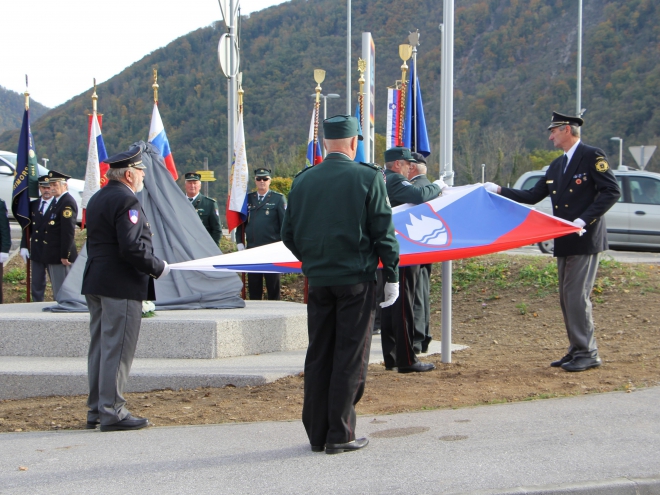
(14, 276)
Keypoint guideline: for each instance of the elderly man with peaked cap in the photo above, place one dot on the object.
(206, 208)
(119, 274)
(582, 188)
(397, 321)
(265, 216)
(339, 224)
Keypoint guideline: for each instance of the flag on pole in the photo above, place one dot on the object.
(103, 167)
(158, 138)
(237, 210)
(314, 156)
(26, 180)
(415, 136)
(392, 137)
(96, 154)
(359, 156)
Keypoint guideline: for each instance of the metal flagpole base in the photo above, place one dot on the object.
(446, 311)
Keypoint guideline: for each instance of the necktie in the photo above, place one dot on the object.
(564, 163)
(260, 198)
(191, 199)
(41, 210)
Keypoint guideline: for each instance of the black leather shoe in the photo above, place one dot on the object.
(425, 347)
(418, 367)
(128, 423)
(566, 359)
(91, 425)
(391, 368)
(339, 448)
(582, 364)
(318, 448)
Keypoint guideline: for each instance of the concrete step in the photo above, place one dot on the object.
(22, 377)
(260, 327)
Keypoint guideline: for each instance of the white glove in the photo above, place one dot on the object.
(441, 183)
(391, 293)
(492, 187)
(579, 222)
(166, 270)
(240, 246)
(25, 254)
(4, 257)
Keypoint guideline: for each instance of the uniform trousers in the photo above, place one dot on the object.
(37, 280)
(114, 327)
(339, 320)
(422, 309)
(577, 275)
(398, 322)
(256, 286)
(2, 274)
(57, 274)
(380, 297)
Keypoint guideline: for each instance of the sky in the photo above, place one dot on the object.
(62, 45)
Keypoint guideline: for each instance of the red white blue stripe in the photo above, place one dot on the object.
(314, 155)
(96, 154)
(158, 138)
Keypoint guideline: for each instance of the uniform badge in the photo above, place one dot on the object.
(52, 222)
(601, 165)
(67, 213)
(267, 212)
(578, 181)
(133, 216)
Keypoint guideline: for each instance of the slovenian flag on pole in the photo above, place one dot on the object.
(158, 138)
(96, 155)
(415, 136)
(392, 137)
(359, 156)
(237, 210)
(314, 156)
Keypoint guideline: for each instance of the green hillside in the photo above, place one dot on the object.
(12, 106)
(515, 63)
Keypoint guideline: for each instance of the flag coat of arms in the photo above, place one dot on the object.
(158, 138)
(467, 221)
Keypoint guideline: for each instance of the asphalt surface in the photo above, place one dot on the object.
(604, 444)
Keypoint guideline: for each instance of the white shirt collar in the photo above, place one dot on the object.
(193, 198)
(571, 152)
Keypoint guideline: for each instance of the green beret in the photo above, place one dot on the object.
(340, 127)
(193, 176)
(399, 153)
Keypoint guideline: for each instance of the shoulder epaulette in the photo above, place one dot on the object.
(303, 170)
(278, 193)
(370, 165)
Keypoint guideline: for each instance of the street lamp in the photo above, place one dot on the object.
(620, 149)
(325, 108)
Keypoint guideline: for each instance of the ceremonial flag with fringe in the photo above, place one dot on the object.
(158, 138)
(237, 209)
(314, 155)
(96, 155)
(359, 156)
(415, 136)
(392, 137)
(26, 183)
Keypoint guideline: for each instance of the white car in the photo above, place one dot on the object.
(8, 172)
(633, 223)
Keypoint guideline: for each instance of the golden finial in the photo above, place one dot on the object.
(27, 94)
(155, 86)
(240, 92)
(94, 98)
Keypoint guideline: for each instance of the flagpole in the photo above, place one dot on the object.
(28, 271)
(319, 77)
(362, 66)
(413, 40)
(349, 111)
(405, 52)
(240, 114)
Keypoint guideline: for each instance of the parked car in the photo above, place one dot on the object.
(633, 223)
(8, 172)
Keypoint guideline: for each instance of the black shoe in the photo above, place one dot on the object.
(339, 448)
(391, 368)
(418, 367)
(318, 448)
(582, 364)
(91, 425)
(425, 348)
(566, 359)
(128, 423)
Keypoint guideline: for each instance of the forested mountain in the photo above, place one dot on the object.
(12, 106)
(515, 62)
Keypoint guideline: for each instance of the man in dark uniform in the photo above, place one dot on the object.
(397, 321)
(339, 224)
(39, 216)
(59, 246)
(422, 306)
(206, 207)
(582, 188)
(119, 275)
(265, 216)
(5, 240)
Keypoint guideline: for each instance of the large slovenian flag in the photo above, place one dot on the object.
(467, 221)
(237, 209)
(314, 155)
(415, 135)
(392, 137)
(26, 180)
(359, 156)
(158, 138)
(96, 155)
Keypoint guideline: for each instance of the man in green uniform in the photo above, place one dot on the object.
(5, 240)
(339, 224)
(265, 216)
(206, 208)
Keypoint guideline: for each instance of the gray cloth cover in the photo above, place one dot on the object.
(178, 236)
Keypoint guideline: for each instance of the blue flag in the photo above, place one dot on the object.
(25, 182)
(415, 136)
(359, 156)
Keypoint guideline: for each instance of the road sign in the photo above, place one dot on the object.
(226, 46)
(642, 154)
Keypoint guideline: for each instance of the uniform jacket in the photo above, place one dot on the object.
(264, 219)
(52, 234)
(207, 209)
(586, 190)
(401, 191)
(420, 180)
(120, 256)
(339, 223)
(5, 232)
